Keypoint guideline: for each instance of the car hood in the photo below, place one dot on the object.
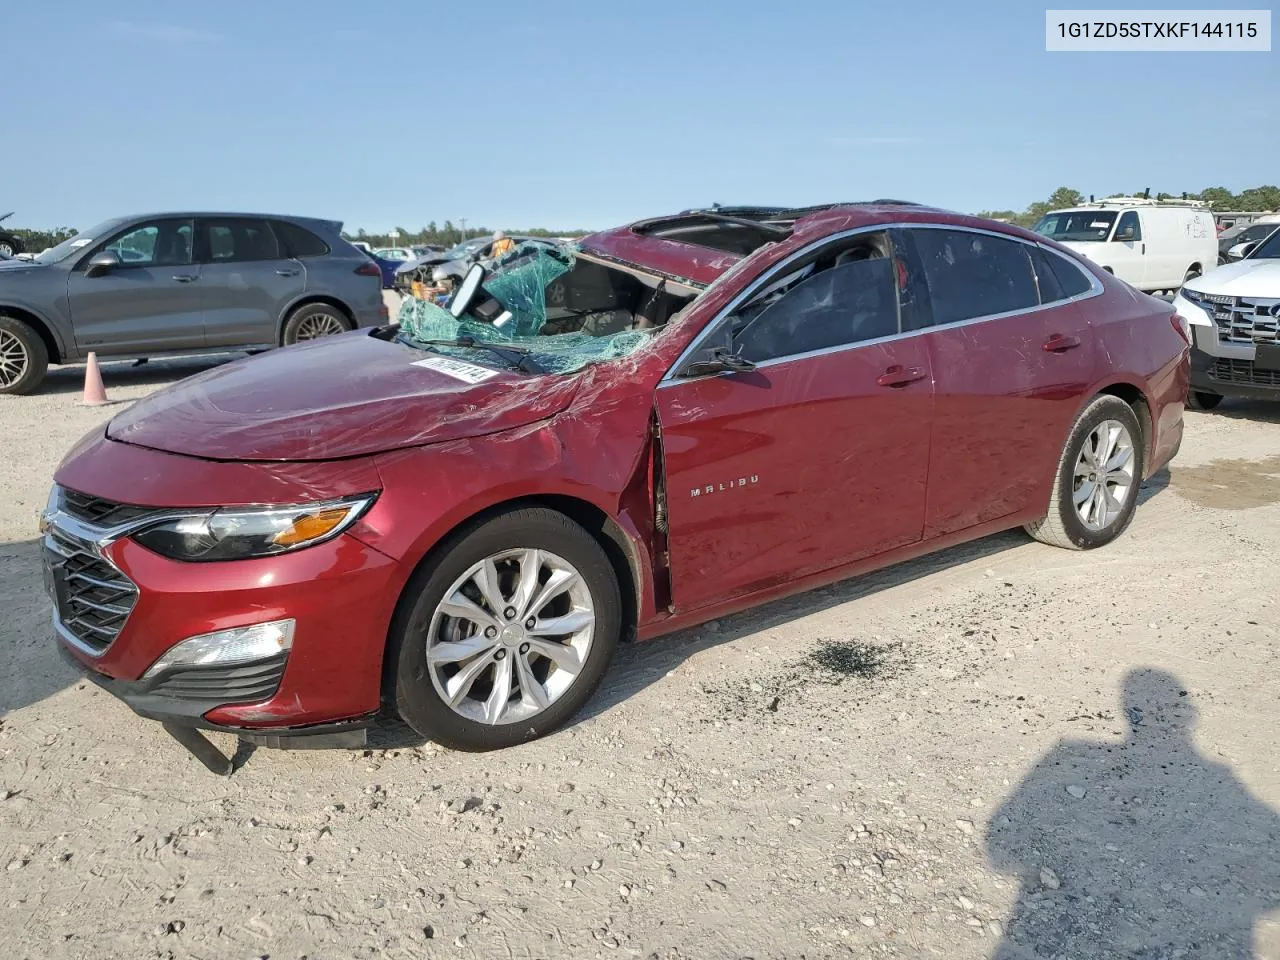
(345, 396)
(14, 267)
(1244, 278)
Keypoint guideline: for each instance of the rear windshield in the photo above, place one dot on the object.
(1077, 225)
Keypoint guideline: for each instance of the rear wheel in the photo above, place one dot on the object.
(508, 634)
(23, 357)
(1096, 488)
(312, 321)
(1199, 400)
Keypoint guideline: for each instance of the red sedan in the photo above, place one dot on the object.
(461, 515)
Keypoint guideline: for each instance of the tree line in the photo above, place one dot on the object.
(1220, 199)
(447, 235)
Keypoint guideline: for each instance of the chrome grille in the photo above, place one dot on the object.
(92, 598)
(1245, 320)
(100, 512)
(1243, 371)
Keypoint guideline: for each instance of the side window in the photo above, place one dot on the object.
(844, 295)
(1046, 281)
(1071, 278)
(161, 243)
(237, 240)
(975, 274)
(1128, 228)
(298, 241)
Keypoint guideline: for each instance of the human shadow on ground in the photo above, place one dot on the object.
(1143, 848)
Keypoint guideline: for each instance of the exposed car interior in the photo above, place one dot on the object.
(600, 301)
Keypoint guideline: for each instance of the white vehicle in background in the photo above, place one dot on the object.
(1234, 312)
(398, 254)
(1150, 244)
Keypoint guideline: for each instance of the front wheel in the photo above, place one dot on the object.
(507, 635)
(1095, 490)
(312, 321)
(1191, 275)
(1199, 400)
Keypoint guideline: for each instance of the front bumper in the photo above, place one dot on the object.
(338, 593)
(1232, 377)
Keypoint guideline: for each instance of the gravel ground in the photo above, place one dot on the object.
(1005, 750)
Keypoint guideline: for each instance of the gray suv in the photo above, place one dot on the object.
(181, 284)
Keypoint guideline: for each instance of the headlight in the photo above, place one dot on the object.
(1191, 296)
(237, 533)
(261, 641)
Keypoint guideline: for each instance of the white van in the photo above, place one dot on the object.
(1151, 244)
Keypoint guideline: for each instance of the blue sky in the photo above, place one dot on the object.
(587, 114)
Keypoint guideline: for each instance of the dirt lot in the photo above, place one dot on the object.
(1004, 750)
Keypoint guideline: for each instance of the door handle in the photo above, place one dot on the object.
(900, 376)
(286, 273)
(185, 277)
(1060, 344)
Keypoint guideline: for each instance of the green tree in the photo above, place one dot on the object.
(1220, 198)
(1065, 197)
(1259, 198)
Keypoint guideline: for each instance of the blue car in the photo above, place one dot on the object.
(388, 268)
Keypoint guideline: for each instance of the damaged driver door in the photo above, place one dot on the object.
(796, 429)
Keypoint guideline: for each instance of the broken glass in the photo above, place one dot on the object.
(520, 285)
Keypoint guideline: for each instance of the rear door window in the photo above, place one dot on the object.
(237, 240)
(974, 275)
(1047, 282)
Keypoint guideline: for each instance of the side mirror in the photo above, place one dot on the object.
(102, 263)
(1125, 237)
(467, 291)
(719, 361)
(1241, 250)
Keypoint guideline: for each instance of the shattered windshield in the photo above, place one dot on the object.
(529, 317)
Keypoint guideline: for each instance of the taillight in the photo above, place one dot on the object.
(369, 269)
(1182, 326)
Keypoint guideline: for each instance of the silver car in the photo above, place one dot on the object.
(181, 284)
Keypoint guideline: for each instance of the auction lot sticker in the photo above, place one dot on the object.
(1168, 31)
(458, 369)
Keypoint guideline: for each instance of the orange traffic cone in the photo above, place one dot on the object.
(95, 394)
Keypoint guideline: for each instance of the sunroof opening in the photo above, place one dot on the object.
(739, 230)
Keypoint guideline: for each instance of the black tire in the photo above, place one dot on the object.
(10, 245)
(308, 318)
(24, 358)
(1199, 400)
(417, 700)
(1062, 526)
(1191, 275)
(1222, 259)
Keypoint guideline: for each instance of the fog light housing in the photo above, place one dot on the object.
(259, 641)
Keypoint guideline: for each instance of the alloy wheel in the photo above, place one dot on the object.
(1104, 478)
(6, 248)
(319, 325)
(13, 359)
(510, 636)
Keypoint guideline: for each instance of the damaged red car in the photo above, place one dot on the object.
(459, 516)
